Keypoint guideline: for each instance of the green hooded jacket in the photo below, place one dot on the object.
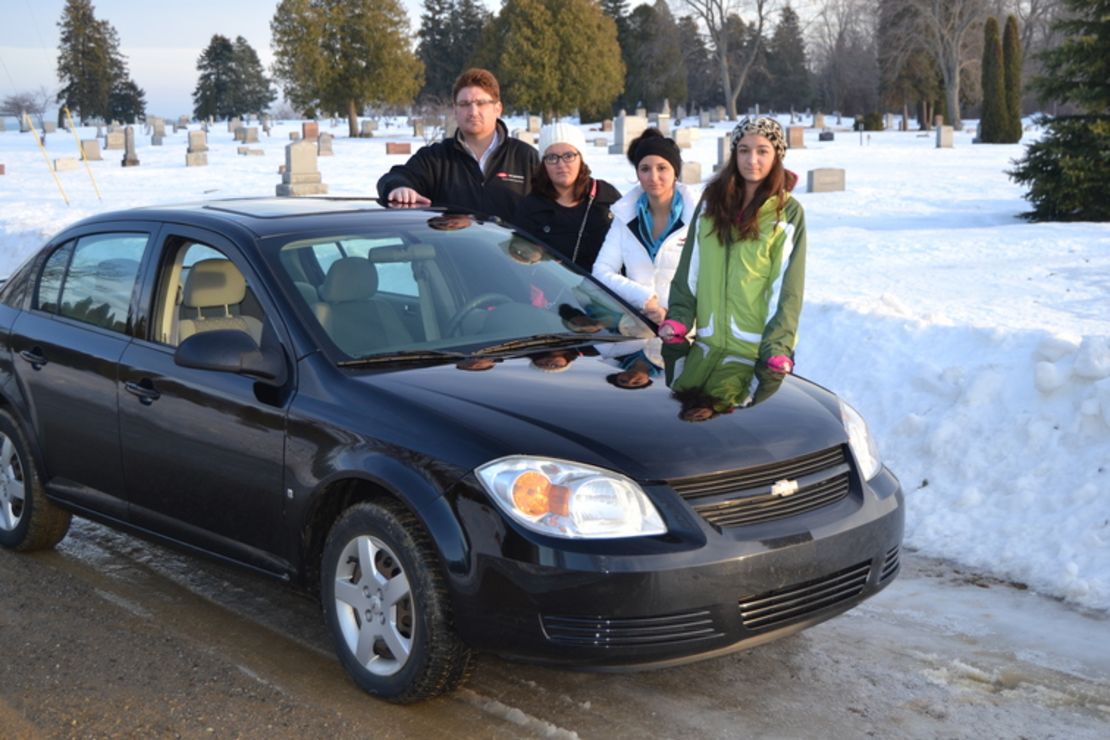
(745, 296)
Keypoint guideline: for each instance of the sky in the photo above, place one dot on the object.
(976, 344)
(161, 40)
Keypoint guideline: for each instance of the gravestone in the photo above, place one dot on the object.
(310, 130)
(1, 169)
(398, 147)
(90, 150)
(703, 119)
(825, 136)
(721, 113)
(99, 132)
(607, 124)
(795, 137)
(641, 113)
(944, 137)
(240, 134)
(3, 126)
(888, 122)
(323, 145)
(418, 128)
(684, 137)
(819, 121)
(691, 173)
(825, 180)
(294, 136)
(625, 129)
(938, 120)
(366, 129)
(524, 135)
(183, 121)
(250, 135)
(49, 127)
(156, 139)
(679, 114)
(62, 164)
(534, 123)
(724, 149)
(663, 123)
(301, 177)
(24, 124)
(130, 158)
(601, 141)
(197, 153)
(158, 126)
(233, 123)
(114, 140)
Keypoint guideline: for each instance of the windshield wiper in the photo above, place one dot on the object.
(549, 340)
(409, 355)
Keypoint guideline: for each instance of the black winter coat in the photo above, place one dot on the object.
(558, 225)
(447, 173)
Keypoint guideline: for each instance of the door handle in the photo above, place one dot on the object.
(34, 356)
(144, 390)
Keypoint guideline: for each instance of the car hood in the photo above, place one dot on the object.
(468, 418)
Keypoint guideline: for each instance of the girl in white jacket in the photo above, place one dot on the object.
(649, 227)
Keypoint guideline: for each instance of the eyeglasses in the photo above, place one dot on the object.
(567, 157)
(479, 104)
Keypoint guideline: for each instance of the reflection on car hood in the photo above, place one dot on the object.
(576, 413)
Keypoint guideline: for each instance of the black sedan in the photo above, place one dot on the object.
(455, 439)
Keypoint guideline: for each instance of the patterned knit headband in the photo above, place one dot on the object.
(763, 126)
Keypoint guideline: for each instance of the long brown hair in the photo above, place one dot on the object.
(724, 199)
(542, 185)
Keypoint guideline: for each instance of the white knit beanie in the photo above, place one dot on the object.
(562, 133)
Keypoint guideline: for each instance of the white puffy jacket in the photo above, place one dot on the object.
(642, 278)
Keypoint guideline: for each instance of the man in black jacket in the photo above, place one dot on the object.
(481, 168)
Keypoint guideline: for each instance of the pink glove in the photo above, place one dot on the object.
(780, 364)
(672, 332)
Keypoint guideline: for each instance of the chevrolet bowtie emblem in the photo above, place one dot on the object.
(783, 488)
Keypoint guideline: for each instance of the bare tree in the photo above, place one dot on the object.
(715, 14)
(32, 102)
(844, 37)
(951, 31)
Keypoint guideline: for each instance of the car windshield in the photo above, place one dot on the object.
(447, 283)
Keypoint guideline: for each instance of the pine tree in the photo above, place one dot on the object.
(252, 92)
(790, 83)
(127, 101)
(212, 96)
(994, 119)
(449, 34)
(341, 55)
(84, 61)
(701, 71)
(1011, 62)
(656, 67)
(1068, 170)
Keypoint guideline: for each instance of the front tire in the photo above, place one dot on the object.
(28, 520)
(386, 602)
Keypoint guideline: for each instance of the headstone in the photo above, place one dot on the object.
(301, 177)
(724, 149)
(252, 152)
(49, 127)
(418, 128)
(233, 123)
(825, 180)
(938, 120)
(183, 121)
(366, 129)
(62, 164)
(888, 122)
(625, 129)
(704, 119)
(198, 141)
(156, 139)
(3, 126)
(524, 135)
(684, 137)
(1, 169)
(607, 124)
(666, 110)
(663, 123)
(90, 150)
(825, 136)
(130, 158)
(114, 140)
(323, 145)
(310, 130)
(294, 136)
(241, 134)
(795, 137)
(196, 159)
(24, 124)
(251, 135)
(944, 137)
(641, 112)
(158, 126)
(534, 123)
(601, 141)
(691, 173)
(819, 121)
(398, 147)
(680, 113)
(722, 114)
(242, 150)
(99, 132)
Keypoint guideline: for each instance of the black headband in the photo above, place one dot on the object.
(661, 147)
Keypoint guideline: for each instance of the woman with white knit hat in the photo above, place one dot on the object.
(566, 208)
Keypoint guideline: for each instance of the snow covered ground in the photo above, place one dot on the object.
(976, 344)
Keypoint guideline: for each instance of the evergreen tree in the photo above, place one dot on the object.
(212, 96)
(544, 67)
(702, 89)
(1068, 170)
(85, 59)
(252, 92)
(1011, 61)
(341, 55)
(790, 83)
(994, 119)
(656, 67)
(127, 101)
(449, 34)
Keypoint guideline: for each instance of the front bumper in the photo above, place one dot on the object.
(696, 592)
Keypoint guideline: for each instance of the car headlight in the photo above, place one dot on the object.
(572, 500)
(862, 443)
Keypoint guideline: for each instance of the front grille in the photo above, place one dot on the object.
(630, 632)
(777, 608)
(890, 565)
(743, 497)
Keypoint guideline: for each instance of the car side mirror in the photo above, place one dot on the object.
(231, 351)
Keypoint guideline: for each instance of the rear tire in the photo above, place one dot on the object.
(386, 602)
(28, 520)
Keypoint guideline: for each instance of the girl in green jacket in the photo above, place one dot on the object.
(741, 275)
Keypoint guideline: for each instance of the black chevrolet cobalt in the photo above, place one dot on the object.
(455, 439)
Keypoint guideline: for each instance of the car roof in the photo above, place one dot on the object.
(263, 216)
